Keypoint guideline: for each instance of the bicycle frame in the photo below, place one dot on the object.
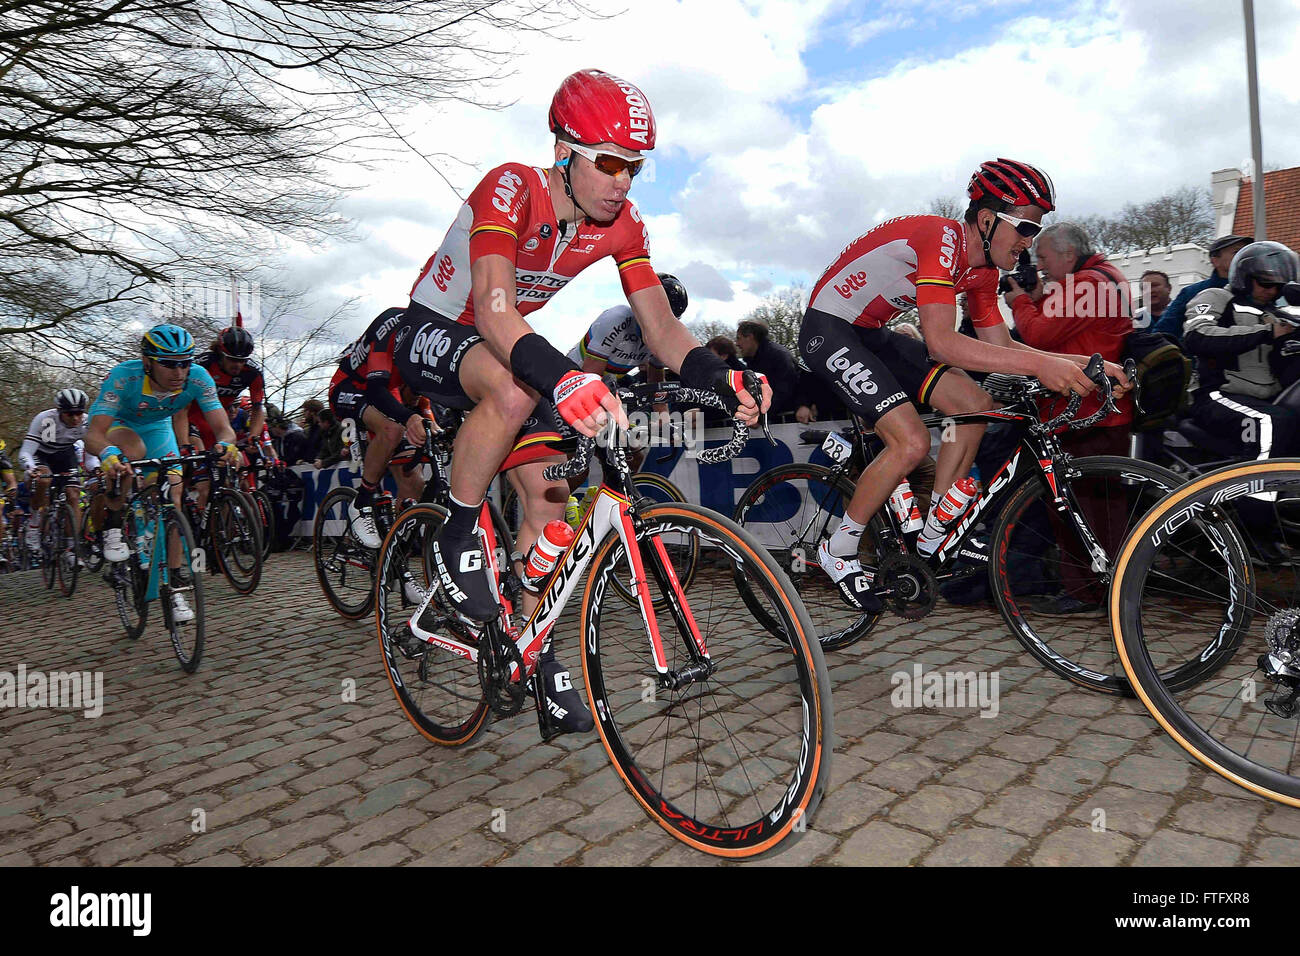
(609, 511)
(1047, 451)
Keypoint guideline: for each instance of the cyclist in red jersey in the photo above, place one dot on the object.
(464, 342)
(229, 362)
(925, 261)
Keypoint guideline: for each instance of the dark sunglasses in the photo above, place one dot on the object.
(1026, 227)
(175, 363)
(608, 163)
(1269, 285)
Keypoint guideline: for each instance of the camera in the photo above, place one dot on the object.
(1024, 273)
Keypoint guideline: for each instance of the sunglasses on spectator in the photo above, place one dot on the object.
(1026, 227)
(608, 163)
(175, 363)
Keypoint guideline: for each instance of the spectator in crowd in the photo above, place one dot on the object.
(332, 447)
(1083, 308)
(1222, 252)
(775, 361)
(725, 349)
(290, 440)
(1232, 333)
(1157, 289)
(307, 418)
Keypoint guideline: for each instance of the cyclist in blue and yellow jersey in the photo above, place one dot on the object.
(141, 412)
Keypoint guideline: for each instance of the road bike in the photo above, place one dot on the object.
(721, 735)
(1054, 523)
(157, 573)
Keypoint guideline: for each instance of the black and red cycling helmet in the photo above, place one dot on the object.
(235, 342)
(1014, 183)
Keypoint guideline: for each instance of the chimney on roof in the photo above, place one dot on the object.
(1225, 186)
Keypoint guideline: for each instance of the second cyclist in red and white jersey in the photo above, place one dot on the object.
(924, 262)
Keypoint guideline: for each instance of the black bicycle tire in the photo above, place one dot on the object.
(830, 638)
(1031, 488)
(240, 508)
(476, 722)
(776, 828)
(190, 660)
(136, 574)
(349, 611)
(67, 571)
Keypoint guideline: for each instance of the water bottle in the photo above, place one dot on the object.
(904, 504)
(945, 512)
(554, 539)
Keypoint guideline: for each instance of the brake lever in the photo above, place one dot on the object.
(754, 385)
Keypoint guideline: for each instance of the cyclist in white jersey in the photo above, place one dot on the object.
(55, 443)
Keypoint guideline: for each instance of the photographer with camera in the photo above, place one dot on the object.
(1081, 309)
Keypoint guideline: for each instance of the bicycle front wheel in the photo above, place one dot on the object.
(1044, 576)
(729, 748)
(66, 553)
(1243, 723)
(236, 539)
(344, 566)
(130, 578)
(437, 687)
(184, 579)
(790, 509)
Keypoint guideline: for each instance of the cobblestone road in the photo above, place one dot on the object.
(286, 772)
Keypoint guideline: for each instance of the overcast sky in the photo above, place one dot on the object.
(786, 129)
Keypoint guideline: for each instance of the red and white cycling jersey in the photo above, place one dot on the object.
(902, 263)
(510, 214)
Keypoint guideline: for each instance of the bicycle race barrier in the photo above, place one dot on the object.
(716, 487)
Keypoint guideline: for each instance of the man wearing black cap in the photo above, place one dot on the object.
(1222, 251)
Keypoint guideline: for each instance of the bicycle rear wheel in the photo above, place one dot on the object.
(1243, 723)
(344, 566)
(790, 509)
(729, 755)
(1037, 560)
(437, 688)
(186, 580)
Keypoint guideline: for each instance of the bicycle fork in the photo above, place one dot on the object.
(701, 666)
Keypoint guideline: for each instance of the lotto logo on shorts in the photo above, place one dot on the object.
(855, 376)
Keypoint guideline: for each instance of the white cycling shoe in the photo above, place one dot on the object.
(413, 592)
(181, 612)
(854, 584)
(114, 547)
(361, 522)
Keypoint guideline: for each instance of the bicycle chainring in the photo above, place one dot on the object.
(505, 697)
(910, 585)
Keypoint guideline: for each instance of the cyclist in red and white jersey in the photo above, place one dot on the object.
(464, 342)
(924, 262)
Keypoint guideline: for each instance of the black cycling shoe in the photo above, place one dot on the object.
(564, 704)
(462, 571)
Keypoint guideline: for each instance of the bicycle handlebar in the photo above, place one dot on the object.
(659, 393)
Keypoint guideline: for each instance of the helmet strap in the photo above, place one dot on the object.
(987, 239)
(566, 171)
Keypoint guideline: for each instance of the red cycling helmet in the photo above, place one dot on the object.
(1014, 183)
(595, 107)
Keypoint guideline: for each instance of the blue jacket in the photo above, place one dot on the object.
(1171, 320)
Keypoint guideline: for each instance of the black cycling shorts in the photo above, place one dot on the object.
(871, 370)
(428, 350)
(65, 459)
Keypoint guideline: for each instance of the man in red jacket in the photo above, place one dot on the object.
(1082, 308)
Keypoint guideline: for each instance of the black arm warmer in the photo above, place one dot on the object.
(701, 368)
(378, 395)
(539, 363)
